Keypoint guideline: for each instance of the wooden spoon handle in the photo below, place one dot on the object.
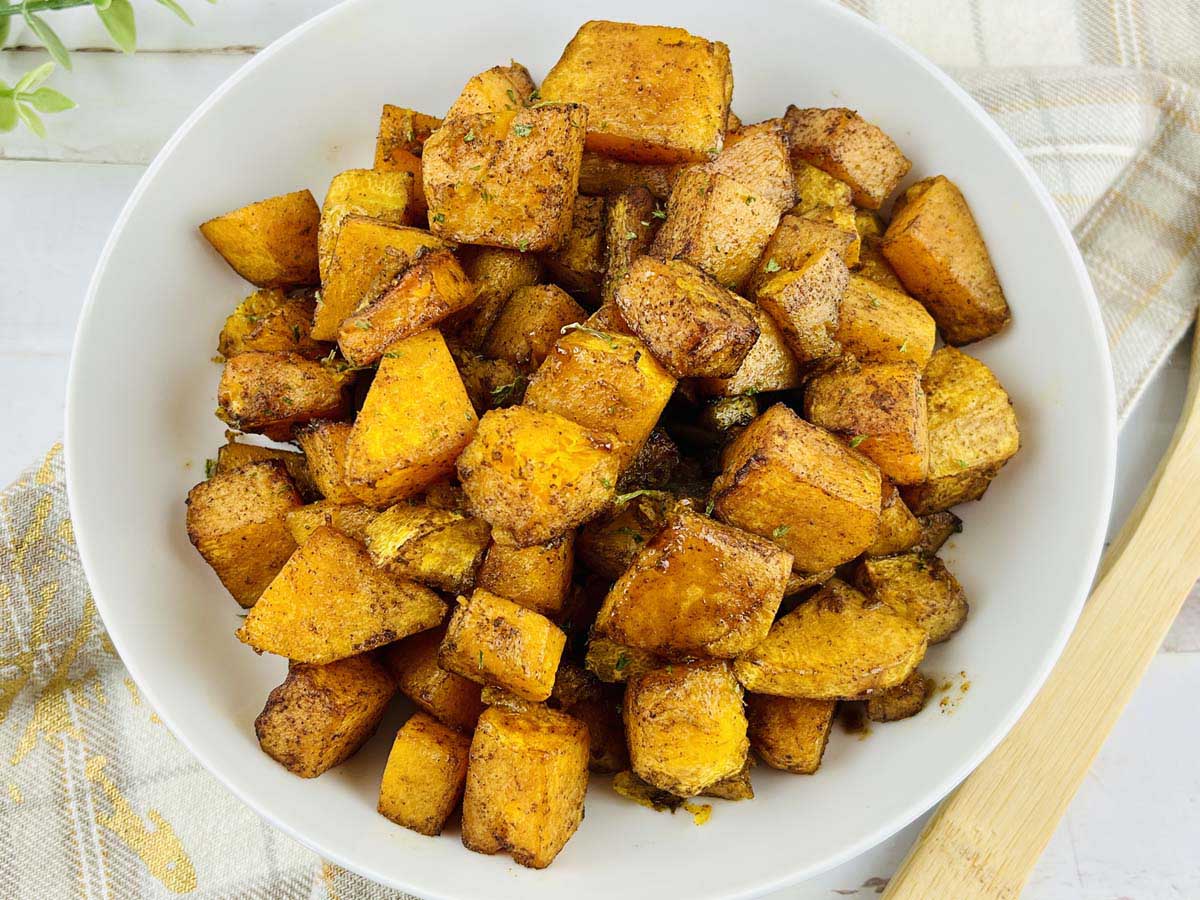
(986, 837)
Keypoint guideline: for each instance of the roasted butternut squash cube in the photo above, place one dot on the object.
(416, 420)
(536, 475)
(936, 529)
(506, 179)
(526, 781)
(899, 529)
(629, 228)
(716, 223)
(498, 642)
(578, 264)
(685, 726)
(829, 228)
(769, 366)
(495, 274)
(433, 288)
(384, 196)
(402, 129)
(447, 697)
(972, 432)
(236, 520)
(655, 94)
(350, 519)
(270, 393)
(836, 646)
(497, 89)
(805, 303)
(934, 245)
(608, 318)
(529, 324)
(608, 383)
(600, 175)
(797, 484)
(536, 577)
(851, 149)
(615, 663)
(324, 446)
(880, 409)
(900, 702)
(918, 587)
(235, 454)
(877, 324)
(795, 240)
(272, 320)
(816, 188)
(440, 548)
(608, 544)
(757, 156)
(579, 694)
(367, 256)
(321, 715)
(697, 588)
(329, 602)
(692, 325)
(789, 733)
(271, 243)
(425, 774)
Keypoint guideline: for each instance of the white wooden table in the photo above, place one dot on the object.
(1134, 829)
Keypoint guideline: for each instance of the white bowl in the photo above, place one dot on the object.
(140, 424)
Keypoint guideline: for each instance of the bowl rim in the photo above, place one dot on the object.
(1106, 453)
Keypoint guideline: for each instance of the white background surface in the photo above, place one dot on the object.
(1134, 829)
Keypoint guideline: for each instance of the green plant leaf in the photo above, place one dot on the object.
(102, 4)
(48, 100)
(46, 35)
(118, 19)
(177, 9)
(31, 119)
(33, 78)
(5, 25)
(8, 113)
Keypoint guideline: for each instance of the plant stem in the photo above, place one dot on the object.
(14, 9)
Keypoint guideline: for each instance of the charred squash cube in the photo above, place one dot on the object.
(769, 366)
(234, 454)
(350, 519)
(629, 228)
(498, 89)
(496, 274)
(608, 544)
(900, 702)
(899, 529)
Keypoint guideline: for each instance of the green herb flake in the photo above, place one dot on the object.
(750, 200)
(363, 325)
(470, 136)
(296, 333)
(708, 508)
(621, 499)
(392, 354)
(210, 468)
(904, 347)
(962, 463)
(856, 440)
(623, 662)
(645, 224)
(484, 194)
(511, 95)
(438, 217)
(536, 95)
(781, 531)
(772, 266)
(521, 129)
(875, 304)
(599, 335)
(481, 659)
(523, 246)
(504, 392)
(659, 213)
(630, 235)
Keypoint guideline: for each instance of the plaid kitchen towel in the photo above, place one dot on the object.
(97, 792)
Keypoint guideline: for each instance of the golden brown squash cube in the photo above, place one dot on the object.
(794, 242)
(692, 325)
(329, 602)
(416, 420)
(529, 324)
(795, 483)
(384, 196)
(535, 475)
(972, 432)
(578, 263)
(350, 519)
(506, 179)
(629, 227)
(608, 544)
(900, 702)
(936, 529)
(716, 223)
(851, 149)
(657, 95)
(536, 577)
(271, 243)
(880, 409)
(608, 318)
(608, 383)
(805, 303)
(899, 529)
(236, 521)
(935, 247)
(816, 188)
(433, 288)
(877, 324)
(447, 697)
(526, 781)
(274, 321)
(600, 175)
(697, 588)
(496, 89)
(756, 156)
(614, 663)
(495, 641)
(769, 366)
(425, 774)
(440, 548)
(873, 265)
(496, 274)
(270, 393)
(235, 454)
(830, 228)
(685, 726)
(321, 715)
(789, 733)
(324, 446)
(367, 256)
(918, 587)
(836, 646)
(402, 129)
